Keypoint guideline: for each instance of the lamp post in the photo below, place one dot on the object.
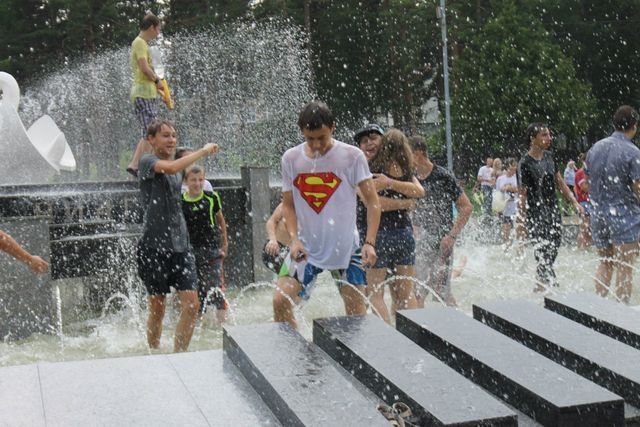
(441, 14)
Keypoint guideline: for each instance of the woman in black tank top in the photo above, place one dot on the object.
(395, 245)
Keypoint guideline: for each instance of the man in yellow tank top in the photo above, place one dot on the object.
(146, 83)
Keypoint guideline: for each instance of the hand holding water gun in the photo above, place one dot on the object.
(166, 93)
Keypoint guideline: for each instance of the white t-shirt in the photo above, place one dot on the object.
(485, 172)
(324, 196)
(510, 208)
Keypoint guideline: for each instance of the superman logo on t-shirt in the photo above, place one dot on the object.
(317, 188)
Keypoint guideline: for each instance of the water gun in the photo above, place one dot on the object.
(166, 94)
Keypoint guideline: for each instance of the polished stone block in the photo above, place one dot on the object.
(605, 316)
(296, 379)
(544, 390)
(396, 369)
(601, 359)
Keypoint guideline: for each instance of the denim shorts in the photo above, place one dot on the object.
(608, 230)
(395, 247)
(306, 273)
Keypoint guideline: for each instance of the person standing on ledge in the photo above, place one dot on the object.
(319, 182)
(144, 90)
(164, 253)
(538, 210)
(9, 245)
(613, 171)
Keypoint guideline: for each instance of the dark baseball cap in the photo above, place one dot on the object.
(366, 130)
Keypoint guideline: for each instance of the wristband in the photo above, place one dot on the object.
(369, 243)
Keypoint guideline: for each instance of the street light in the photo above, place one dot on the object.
(441, 14)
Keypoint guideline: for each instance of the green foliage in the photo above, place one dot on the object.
(36, 35)
(513, 73)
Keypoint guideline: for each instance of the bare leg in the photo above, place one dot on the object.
(375, 292)
(506, 234)
(286, 292)
(154, 322)
(221, 316)
(189, 307)
(625, 255)
(402, 289)
(604, 271)
(142, 148)
(355, 303)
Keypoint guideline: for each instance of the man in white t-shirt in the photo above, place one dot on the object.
(319, 182)
(485, 180)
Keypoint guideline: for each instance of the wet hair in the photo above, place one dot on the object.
(510, 161)
(182, 151)
(149, 20)
(417, 143)
(625, 118)
(314, 115)
(393, 148)
(155, 126)
(192, 169)
(533, 130)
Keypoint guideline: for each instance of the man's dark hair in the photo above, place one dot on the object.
(181, 151)
(155, 126)
(510, 162)
(314, 115)
(625, 118)
(533, 130)
(149, 20)
(417, 143)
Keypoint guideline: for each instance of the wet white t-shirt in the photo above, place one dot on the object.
(485, 173)
(324, 196)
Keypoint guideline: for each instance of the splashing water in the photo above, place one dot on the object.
(240, 86)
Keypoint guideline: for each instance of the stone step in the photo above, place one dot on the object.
(544, 390)
(296, 379)
(608, 317)
(397, 370)
(601, 359)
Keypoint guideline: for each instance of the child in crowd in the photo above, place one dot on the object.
(208, 234)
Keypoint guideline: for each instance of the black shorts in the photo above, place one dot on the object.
(160, 270)
(210, 278)
(274, 263)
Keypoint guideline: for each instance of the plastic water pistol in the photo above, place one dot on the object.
(166, 94)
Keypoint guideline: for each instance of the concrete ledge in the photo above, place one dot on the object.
(613, 319)
(544, 390)
(601, 359)
(296, 379)
(368, 348)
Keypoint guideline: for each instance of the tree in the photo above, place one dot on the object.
(510, 74)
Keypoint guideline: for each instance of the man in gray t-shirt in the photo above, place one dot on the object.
(613, 171)
(163, 255)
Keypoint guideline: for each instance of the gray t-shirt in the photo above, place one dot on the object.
(163, 222)
(612, 165)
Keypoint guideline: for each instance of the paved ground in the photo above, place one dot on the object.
(195, 389)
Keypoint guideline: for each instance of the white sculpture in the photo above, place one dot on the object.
(33, 155)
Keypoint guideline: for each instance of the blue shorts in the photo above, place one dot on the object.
(306, 273)
(587, 208)
(609, 230)
(395, 247)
